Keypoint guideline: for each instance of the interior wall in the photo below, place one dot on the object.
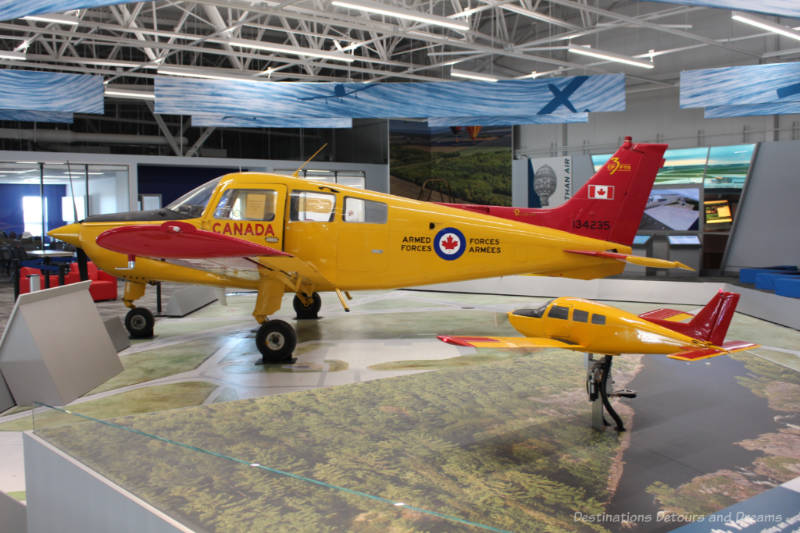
(367, 141)
(11, 194)
(765, 230)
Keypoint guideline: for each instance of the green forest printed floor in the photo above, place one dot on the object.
(490, 440)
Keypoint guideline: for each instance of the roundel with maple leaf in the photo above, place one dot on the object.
(449, 244)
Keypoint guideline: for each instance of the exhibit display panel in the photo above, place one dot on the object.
(710, 180)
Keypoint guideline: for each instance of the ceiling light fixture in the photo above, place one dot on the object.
(54, 19)
(401, 13)
(519, 10)
(765, 25)
(19, 56)
(208, 74)
(286, 49)
(125, 93)
(610, 56)
(472, 75)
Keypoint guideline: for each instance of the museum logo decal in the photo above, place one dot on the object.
(449, 244)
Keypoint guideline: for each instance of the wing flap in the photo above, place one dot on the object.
(179, 240)
(507, 342)
(712, 351)
(634, 259)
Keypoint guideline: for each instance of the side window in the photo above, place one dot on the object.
(598, 319)
(579, 315)
(247, 204)
(559, 312)
(360, 210)
(309, 206)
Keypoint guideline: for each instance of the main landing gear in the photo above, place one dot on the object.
(308, 309)
(597, 384)
(276, 341)
(139, 322)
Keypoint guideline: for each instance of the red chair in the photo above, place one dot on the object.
(25, 281)
(103, 287)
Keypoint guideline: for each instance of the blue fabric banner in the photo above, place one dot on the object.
(29, 90)
(14, 9)
(35, 116)
(231, 121)
(563, 118)
(604, 92)
(753, 84)
(788, 8)
(725, 111)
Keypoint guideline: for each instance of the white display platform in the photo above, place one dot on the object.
(55, 347)
(189, 299)
(764, 305)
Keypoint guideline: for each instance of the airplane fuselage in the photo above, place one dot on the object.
(599, 328)
(350, 239)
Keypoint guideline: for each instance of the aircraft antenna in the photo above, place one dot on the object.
(297, 172)
(72, 193)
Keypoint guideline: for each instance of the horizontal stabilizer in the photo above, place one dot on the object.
(179, 240)
(507, 342)
(713, 351)
(673, 315)
(634, 259)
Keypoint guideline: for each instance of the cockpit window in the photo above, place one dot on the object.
(579, 315)
(194, 202)
(558, 311)
(533, 313)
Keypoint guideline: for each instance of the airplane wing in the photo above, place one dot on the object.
(634, 259)
(183, 244)
(673, 315)
(713, 351)
(507, 342)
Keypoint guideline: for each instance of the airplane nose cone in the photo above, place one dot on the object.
(71, 233)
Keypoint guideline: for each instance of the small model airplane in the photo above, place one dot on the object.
(586, 326)
(277, 234)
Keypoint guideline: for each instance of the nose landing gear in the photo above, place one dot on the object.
(598, 381)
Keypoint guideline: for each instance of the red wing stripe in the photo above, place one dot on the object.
(464, 341)
(661, 314)
(179, 240)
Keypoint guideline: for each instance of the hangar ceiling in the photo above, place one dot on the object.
(276, 40)
(324, 40)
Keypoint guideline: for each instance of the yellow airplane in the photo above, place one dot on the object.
(586, 326)
(277, 234)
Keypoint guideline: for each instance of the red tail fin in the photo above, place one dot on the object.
(608, 207)
(711, 323)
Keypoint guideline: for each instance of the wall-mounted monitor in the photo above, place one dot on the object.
(683, 240)
(672, 209)
(728, 166)
(718, 212)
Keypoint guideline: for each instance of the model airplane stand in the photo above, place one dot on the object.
(598, 386)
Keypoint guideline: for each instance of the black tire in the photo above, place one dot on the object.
(139, 322)
(276, 341)
(311, 311)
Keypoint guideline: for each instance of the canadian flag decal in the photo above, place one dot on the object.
(601, 192)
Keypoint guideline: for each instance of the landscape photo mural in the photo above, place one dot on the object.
(460, 164)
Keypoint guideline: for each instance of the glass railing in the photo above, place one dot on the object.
(209, 482)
